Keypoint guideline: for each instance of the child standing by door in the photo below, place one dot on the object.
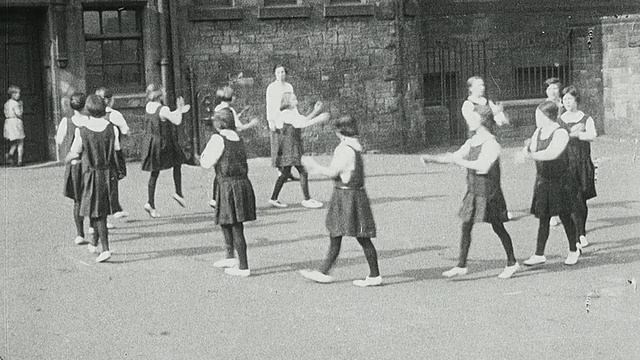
(13, 126)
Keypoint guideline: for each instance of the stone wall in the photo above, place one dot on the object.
(621, 74)
(351, 63)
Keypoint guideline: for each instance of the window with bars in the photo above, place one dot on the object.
(113, 49)
(529, 81)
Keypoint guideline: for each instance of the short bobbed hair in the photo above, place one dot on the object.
(225, 94)
(105, 93)
(573, 91)
(223, 119)
(154, 92)
(549, 109)
(346, 126)
(13, 90)
(77, 101)
(95, 106)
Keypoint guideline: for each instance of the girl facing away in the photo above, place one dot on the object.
(234, 194)
(160, 147)
(290, 123)
(73, 182)
(96, 143)
(555, 191)
(484, 200)
(349, 209)
(13, 126)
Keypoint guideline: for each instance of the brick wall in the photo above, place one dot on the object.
(621, 74)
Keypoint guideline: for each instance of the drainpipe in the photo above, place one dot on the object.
(399, 29)
(164, 52)
(52, 68)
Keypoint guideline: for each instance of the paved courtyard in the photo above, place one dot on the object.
(159, 296)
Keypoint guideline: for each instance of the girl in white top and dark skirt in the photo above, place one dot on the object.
(160, 147)
(349, 209)
(97, 143)
(484, 200)
(556, 188)
(290, 147)
(73, 171)
(234, 195)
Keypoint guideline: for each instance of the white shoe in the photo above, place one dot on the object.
(180, 200)
(80, 240)
(316, 276)
(234, 271)
(92, 249)
(311, 204)
(121, 214)
(110, 226)
(508, 271)
(226, 263)
(104, 256)
(456, 271)
(535, 260)
(277, 203)
(368, 281)
(212, 203)
(152, 212)
(572, 258)
(555, 221)
(583, 241)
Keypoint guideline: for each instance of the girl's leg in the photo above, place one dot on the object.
(177, 179)
(543, 234)
(505, 238)
(95, 236)
(583, 228)
(241, 246)
(151, 188)
(78, 219)
(12, 149)
(465, 243)
(20, 150)
(285, 171)
(571, 229)
(371, 255)
(304, 181)
(100, 225)
(332, 254)
(227, 232)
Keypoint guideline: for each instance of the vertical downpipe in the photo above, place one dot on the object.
(399, 27)
(53, 42)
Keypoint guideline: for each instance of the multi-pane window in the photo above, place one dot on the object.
(113, 49)
(529, 81)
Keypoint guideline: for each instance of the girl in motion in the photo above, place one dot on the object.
(484, 201)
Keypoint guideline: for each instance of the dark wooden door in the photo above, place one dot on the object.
(21, 65)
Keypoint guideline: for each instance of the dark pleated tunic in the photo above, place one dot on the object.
(580, 163)
(160, 147)
(99, 173)
(236, 202)
(290, 148)
(349, 208)
(72, 173)
(555, 191)
(484, 201)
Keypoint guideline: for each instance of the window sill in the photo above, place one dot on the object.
(129, 100)
(209, 13)
(284, 12)
(347, 10)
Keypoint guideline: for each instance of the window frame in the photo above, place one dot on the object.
(102, 37)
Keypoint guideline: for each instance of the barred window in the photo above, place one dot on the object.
(113, 49)
(529, 81)
(280, 2)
